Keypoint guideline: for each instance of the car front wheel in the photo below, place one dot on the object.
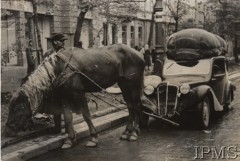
(227, 106)
(204, 114)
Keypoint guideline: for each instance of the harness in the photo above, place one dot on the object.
(64, 76)
(77, 71)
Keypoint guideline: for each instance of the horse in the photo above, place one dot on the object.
(59, 84)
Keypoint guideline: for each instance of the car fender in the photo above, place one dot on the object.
(204, 90)
(229, 90)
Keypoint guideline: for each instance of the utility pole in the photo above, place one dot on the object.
(160, 38)
(159, 27)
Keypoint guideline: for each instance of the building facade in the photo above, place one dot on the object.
(60, 16)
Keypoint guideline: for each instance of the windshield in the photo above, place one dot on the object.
(200, 67)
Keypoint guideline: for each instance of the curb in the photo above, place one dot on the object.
(234, 75)
(102, 120)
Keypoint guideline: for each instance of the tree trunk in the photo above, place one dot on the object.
(236, 49)
(37, 32)
(77, 34)
(151, 29)
(176, 26)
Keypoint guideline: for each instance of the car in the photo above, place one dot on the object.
(199, 88)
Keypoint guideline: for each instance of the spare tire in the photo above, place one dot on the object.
(193, 44)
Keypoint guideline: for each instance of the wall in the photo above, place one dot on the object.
(18, 31)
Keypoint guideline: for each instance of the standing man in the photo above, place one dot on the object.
(30, 58)
(79, 45)
(147, 57)
(57, 42)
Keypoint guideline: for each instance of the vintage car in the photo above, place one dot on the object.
(199, 88)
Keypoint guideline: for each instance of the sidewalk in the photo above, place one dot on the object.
(37, 146)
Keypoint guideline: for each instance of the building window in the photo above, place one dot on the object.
(140, 34)
(105, 34)
(132, 36)
(114, 33)
(124, 34)
(8, 37)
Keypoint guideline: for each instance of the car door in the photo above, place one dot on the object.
(219, 78)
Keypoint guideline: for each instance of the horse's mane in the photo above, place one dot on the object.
(39, 83)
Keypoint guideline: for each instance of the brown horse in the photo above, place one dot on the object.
(59, 84)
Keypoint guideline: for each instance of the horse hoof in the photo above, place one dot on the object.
(133, 138)
(124, 137)
(92, 143)
(67, 144)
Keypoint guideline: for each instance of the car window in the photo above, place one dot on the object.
(219, 66)
(175, 68)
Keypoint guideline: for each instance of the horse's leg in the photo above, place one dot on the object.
(136, 93)
(126, 95)
(87, 117)
(81, 101)
(132, 91)
(68, 120)
(57, 122)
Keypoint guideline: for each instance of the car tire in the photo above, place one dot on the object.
(204, 114)
(143, 120)
(227, 106)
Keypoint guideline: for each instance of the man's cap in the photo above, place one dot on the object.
(57, 37)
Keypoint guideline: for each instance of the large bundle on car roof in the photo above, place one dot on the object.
(194, 44)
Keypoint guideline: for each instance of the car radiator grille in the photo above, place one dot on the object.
(167, 99)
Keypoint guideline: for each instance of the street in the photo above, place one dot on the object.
(55, 53)
(161, 142)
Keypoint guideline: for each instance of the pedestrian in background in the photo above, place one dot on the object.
(136, 48)
(30, 58)
(79, 45)
(57, 42)
(153, 54)
(142, 51)
(147, 57)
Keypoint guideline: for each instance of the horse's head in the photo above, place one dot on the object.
(20, 114)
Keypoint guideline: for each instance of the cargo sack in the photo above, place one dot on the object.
(193, 44)
(223, 43)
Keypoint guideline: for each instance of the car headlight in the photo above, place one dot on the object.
(185, 88)
(148, 90)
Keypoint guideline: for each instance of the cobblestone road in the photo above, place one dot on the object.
(163, 142)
